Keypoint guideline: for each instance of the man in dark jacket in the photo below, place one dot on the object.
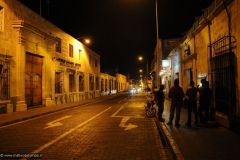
(176, 95)
(205, 95)
(159, 99)
(192, 103)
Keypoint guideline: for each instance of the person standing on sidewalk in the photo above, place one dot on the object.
(191, 94)
(176, 95)
(159, 100)
(205, 95)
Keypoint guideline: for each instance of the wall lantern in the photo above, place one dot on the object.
(187, 49)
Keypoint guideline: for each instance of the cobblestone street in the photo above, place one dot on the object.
(113, 129)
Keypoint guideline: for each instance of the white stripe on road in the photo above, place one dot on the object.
(49, 114)
(68, 132)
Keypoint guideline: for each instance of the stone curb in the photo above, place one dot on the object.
(173, 145)
(71, 106)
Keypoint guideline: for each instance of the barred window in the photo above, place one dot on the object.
(102, 84)
(81, 82)
(58, 45)
(4, 80)
(106, 85)
(97, 83)
(58, 82)
(91, 82)
(71, 83)
(70, 50)
(96, 63)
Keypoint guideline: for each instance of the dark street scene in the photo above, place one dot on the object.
(119, 80)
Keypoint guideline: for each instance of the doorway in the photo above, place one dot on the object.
(33, 80)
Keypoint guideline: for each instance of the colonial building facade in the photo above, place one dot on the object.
(41, 65)
(210, 51)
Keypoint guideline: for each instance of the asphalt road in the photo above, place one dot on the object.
(112, 129)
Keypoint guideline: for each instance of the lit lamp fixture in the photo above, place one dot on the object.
(140, 70)
(85, 40)
(140, 58)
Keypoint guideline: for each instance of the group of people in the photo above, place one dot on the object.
(194, 96)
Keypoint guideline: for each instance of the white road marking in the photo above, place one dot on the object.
(127, 126)
(124, 120)
(56, 122)
(68, 132)
(49, 114)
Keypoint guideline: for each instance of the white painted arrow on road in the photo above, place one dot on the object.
(127, 126)
(56, 122)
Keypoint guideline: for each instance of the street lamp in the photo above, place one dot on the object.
(85, 40)
(140, 70)
(140, 58)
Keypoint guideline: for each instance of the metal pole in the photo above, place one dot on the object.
(157, 49)
(147, 69)
(40, 7)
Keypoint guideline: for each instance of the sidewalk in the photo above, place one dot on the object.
(9, 118)
(206, 142)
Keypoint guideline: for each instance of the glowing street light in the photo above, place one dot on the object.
(140, 58)
(85, 40)
(140, 70)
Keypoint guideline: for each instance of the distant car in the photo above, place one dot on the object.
(133, 90)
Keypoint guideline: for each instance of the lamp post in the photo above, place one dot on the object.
(158, 56)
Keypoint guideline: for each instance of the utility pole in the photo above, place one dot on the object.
(157, 49)
(40, 7)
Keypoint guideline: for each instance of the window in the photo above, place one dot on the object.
(58, 45)
(81, 82)
(96, 62)
(79, 52)
(102, 85)
(106, 85)
(58, 82)
(71, 83)
(97, 83)
(90, 60)
(70, 50)
(1, 19)
(110, 84)
(91, 82)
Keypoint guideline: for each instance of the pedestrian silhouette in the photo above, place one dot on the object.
(176, 95)
(191, 95)
(159, 100)
(205, 95)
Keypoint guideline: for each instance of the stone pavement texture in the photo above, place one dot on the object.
(211, 142)
(9, 118)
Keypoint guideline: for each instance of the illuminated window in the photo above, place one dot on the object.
(58, 82)
(58, 45)
(71, 83)
(81, 82)
(70, 50)
(1, 19)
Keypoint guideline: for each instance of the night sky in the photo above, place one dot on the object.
(121, 29)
